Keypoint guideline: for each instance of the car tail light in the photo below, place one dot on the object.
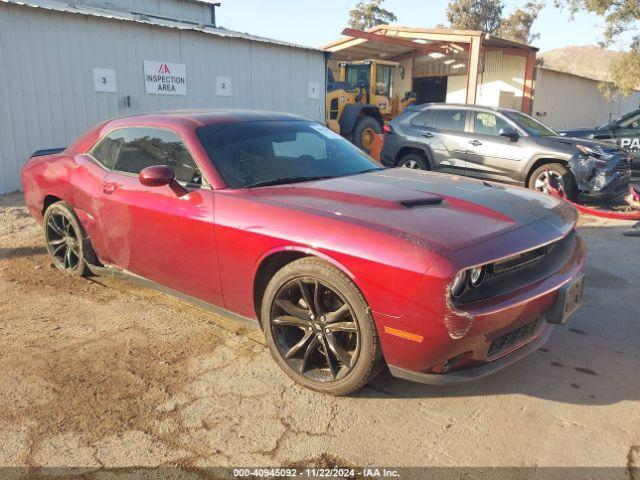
(387, 128)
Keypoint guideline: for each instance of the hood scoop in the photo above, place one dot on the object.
(425, 201)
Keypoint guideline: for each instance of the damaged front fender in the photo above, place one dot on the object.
(596, 169)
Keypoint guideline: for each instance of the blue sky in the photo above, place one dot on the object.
(314, 22)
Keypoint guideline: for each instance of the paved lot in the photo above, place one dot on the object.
(100, 372)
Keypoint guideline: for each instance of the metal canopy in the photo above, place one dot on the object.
(394, 42)
(397, 43)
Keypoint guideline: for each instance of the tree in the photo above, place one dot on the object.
(518, 25)
(621, 16)
(484, 15)
(369, 13)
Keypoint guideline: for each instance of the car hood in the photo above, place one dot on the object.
(579, 132)
(569, 143)
(446, 212)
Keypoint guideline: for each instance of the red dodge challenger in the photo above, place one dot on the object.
(346, 266)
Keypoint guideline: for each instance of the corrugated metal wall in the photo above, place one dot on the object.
(501, 74)
(180, 9)
(567, 101)
(47, 59)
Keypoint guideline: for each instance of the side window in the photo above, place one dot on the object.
(145, 147)
(425, 119)
(633, 122)
(107, 149)
(452, 120)
(384, 78)
(486, 123)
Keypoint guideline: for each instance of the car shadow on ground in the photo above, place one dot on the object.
(593, 360)
(21, 252)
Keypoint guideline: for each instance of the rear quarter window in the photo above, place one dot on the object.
(425, 119)
(107, 149)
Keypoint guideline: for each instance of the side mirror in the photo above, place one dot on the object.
(509, 132)
(159, 176)
(156, 176)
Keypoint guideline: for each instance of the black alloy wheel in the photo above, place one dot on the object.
(65, 239)
(315, 330)
(319, 328)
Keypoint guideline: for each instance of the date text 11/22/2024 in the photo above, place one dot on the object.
(336, 472)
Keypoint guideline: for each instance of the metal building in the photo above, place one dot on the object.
(65, 66)
(565, 100)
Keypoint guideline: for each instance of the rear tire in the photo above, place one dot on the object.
(541, 176)
(67, 242)
(328, 344)
(414, 161)
(363, 133)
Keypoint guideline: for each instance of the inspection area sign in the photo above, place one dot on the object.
(161, 78)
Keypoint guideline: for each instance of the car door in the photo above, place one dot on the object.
(161, 233)
(490, 155)
(627, 135)
(91, 169)
(448, 140)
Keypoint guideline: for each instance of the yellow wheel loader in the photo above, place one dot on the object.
(360, 102)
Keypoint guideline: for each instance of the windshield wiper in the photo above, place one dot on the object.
(284, 180)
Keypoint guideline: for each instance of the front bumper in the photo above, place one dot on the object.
(481, 371)
(488, 334)
(558, 314)
(619, 185)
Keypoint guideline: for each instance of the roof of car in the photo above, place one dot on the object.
(466, 106)
(207, 117)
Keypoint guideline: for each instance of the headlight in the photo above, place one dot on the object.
(587, 150)
(476, 276)
(472, 277)
(459, 283)
(595, 156)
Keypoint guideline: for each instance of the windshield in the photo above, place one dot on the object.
(358, 75)
(270, 152)
(531, 125)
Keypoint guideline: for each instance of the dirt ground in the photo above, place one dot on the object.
(99, 372)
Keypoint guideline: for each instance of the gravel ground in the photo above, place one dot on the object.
(99, 372)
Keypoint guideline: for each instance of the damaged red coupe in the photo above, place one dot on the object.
(347, 266)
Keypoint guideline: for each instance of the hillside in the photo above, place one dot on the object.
(589, 61)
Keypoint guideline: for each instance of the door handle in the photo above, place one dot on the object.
(427, 135)
(475, 143)
(108, 187)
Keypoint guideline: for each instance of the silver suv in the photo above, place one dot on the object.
(503, 145)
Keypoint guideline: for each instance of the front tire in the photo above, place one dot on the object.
(319, 328)
(543, 176)
(67, 242)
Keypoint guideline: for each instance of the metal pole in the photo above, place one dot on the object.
(213, 13)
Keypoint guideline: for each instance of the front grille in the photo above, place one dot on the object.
(513, 338)
(623, 165)
(519, 261)
(521, 270)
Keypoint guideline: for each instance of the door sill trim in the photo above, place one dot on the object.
(249, 326)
